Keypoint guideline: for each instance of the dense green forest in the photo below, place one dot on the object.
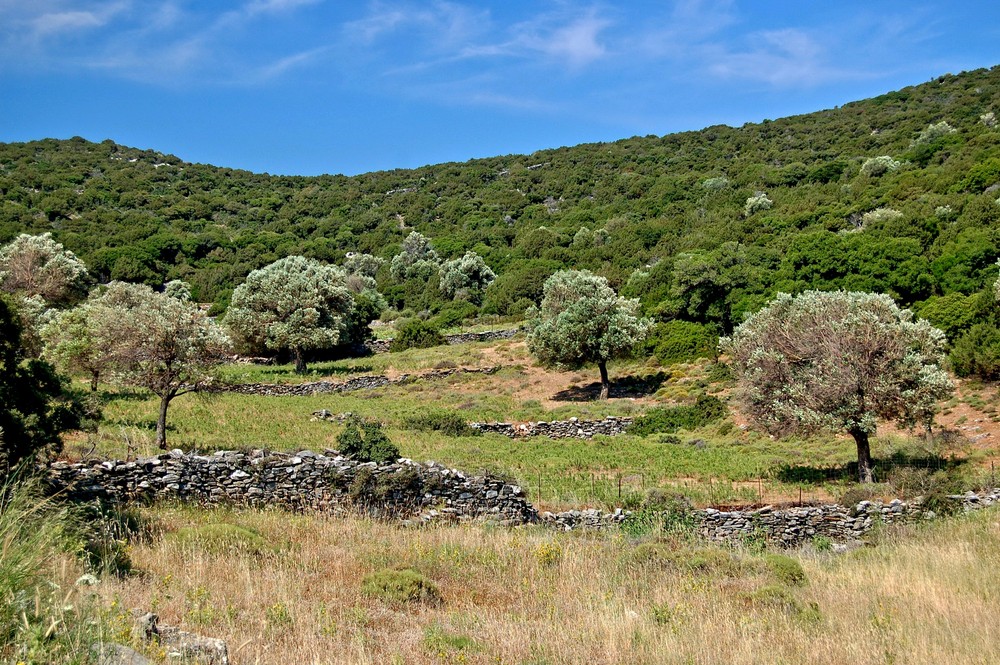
(895, 194)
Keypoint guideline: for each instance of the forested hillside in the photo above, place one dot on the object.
(895, 194)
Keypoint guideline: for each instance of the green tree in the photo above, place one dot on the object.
(838, 361)
(582, 320)
(466, 278)
(73, 344)
(34, 407)
(40, 266)
(157, 342)
(293, 304)
(417, 260)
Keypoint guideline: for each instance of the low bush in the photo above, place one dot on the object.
(400, 586)
(681, 341)
(977, 352)
(445, 422)
(364, 441)
(705, 410)
(785, 569)
(221, 539)
(416, 334)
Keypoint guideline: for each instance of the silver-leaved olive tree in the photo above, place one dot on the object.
(294, 304)
(837, 361)
(154, 341)
(40, 266)
(582, 320)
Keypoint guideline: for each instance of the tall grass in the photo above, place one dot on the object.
(43, 617)
(922, 596)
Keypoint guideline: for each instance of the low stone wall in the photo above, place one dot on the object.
(788, 527)
(430, 492)
(304, 480)
(382, 345)
(574, 428)
(366, 382)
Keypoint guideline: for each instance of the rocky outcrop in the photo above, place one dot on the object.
(299, 481)
(574, 428)
(367, 382)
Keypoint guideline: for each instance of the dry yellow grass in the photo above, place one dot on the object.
(533, 596)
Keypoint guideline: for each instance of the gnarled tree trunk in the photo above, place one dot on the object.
(300, 361)
(605, 381)
(865, 471)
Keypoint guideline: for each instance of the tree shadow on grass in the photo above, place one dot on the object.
(884, 467)
(626, 386)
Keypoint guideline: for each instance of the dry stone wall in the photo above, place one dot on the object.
(431, 492)
(382, 345)
(303, 480)
(367, 382)
(557, 429)
(787, 527)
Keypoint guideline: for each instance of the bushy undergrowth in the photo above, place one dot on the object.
(446, 422)
(705, 410)
(364, 441)
(416, 334)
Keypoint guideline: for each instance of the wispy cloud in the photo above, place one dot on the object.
(782, 58)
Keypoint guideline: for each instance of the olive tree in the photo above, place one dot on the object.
(416, 260)
(837, 361)
(582, 320)
(40, 266)
(154, 341)
(466, 278)
(73, 344)
(294, 304)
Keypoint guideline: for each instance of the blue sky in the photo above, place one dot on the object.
(312, 86)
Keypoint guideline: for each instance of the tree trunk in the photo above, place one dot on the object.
(865, 474)
(300, 361)
(94, 377)
(605, 381)
(161, 421)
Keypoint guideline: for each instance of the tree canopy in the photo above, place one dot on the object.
(295, 304)
(157, 342)
(582, 320)
(40, 266)
(837, 361)
(34, 405)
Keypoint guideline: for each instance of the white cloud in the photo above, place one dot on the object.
(64, 21)
(576, 43)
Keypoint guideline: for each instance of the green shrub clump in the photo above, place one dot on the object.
(682, 341)
(977, 352)
(416, 334)
(672, 418)
(221, 539)
(445, 422)
(785, 569)
(364, 441)
(400, 586)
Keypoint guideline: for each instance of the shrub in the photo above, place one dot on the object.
(780, 598)
(977, 352)
(785, 569)
(876, 166)
(757, 203)
(453, 314)
(221, 539)
(933, 132)
(681, 341)
(400, 586)
(446, 422)
(381, 492)
(416, 334)
(670, 419)
(364, 441)
(715, 184)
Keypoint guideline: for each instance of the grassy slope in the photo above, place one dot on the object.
(532, 596)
